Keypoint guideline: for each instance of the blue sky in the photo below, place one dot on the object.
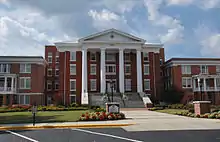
(187, 28)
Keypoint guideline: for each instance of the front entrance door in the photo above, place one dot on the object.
(108, 86)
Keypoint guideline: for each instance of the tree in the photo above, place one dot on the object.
(172, 95)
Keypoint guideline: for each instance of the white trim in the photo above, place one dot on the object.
(110, 73)
(48, 72)
(72, 95)
(56, 82)
(25, 68)
(74, 80)
(71, 56)
(186, 79)
(70, 69)
(91, 56)
(30, 93)
(128, 65)
(49, 83)
(19, 98)
(126, 87)
(187, 62)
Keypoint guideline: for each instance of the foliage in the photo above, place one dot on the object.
(101, 116)
(173, 95)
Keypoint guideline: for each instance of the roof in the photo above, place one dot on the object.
(109, 31)
(23, 59)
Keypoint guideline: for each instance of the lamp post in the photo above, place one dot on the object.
(112, 86)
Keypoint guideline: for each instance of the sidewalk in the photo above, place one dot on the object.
(81, 124)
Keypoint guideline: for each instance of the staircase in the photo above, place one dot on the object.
(134, 100)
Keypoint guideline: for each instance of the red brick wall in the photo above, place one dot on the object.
(195, 69)
(98, 56)
(177, 77)
(212, 69)
(78, 76)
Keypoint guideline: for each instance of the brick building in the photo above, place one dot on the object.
(198, 78)
(22, 80)
(78, 70)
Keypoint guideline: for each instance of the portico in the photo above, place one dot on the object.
(118, 43)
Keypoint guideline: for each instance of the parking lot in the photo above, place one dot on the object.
(107, 135)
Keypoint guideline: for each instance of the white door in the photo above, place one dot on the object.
(108, 86)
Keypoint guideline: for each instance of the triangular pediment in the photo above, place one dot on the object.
(112, 35)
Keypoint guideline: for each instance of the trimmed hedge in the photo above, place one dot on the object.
(215, 115)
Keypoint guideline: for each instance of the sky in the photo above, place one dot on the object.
(187, 28)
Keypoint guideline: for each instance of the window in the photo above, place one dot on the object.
(50, 57)
(146, 84)
(49, 100)
(146, 69)
(57, 72)
(25, 82)
(110, 57)
(127, 69)
(161, 61)
(203, 69)
(72, 85)
(56, 85)
(127, 84)
(5, 68)
(49, 85)
(187, 82)
(25, 68)
(218, 82)
(110, 69)
(218, 69)
(127, 57)
(145, 56)
(92, 84)
(186, 69)
(49, 72)
(24, 99)
(93, 69)
(72, 69)
(92, 56)
(72, 98)
(57, 57)
(72, 56)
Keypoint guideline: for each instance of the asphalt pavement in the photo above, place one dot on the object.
(108, 135)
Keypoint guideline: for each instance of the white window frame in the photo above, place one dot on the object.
(25, 80)
(74, 80)
(73, 95)
(205, 70)
(24, 99)
(145, 54)
(218, 69)
(146, 73)
(110, 60)
(70, 69)
(49, 83)
(186, 69)
(127, 57)
(95, 84)
(25, 68)
(127, 86)
(50, 57)
(145, 80)
(114, 69)
(91, 54)
(48, 72)
(187, 79)
(8, 68)
(128, 73)
(57, 57)
(56, 82)
(57, 69)
(91, 69)
(71, 55)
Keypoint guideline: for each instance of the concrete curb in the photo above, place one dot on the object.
(64, 126)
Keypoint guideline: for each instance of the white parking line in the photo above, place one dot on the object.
(107, 135)
(22, 136)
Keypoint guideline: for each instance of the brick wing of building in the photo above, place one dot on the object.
(82, 71)
(22, 80)
(198, 78)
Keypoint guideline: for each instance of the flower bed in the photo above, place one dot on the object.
(213, 115)
(101, 116)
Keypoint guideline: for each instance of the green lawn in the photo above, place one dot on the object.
(47, 116)
(172, 111)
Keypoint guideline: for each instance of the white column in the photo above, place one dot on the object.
(204, 84)
(194, 83)
(84, 93)
(198, 83)
(102, 71)
(16, 84)
(215, 84)
(139, 72)
(12, 84)
(5, 85)
(121, 70)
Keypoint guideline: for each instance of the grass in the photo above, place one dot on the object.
(41, 117)
(172, 111)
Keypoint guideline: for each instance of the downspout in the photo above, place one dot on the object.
(64, 90)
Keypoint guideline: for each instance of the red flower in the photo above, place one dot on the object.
(83, 115)
(97, 113)
(87, 117)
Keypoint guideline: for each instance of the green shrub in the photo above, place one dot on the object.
(191, 110)
(197, 115)
(212, 115)
(217, 116)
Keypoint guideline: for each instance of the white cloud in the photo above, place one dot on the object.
(179, 2)
(173, 27)
(209, 40)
